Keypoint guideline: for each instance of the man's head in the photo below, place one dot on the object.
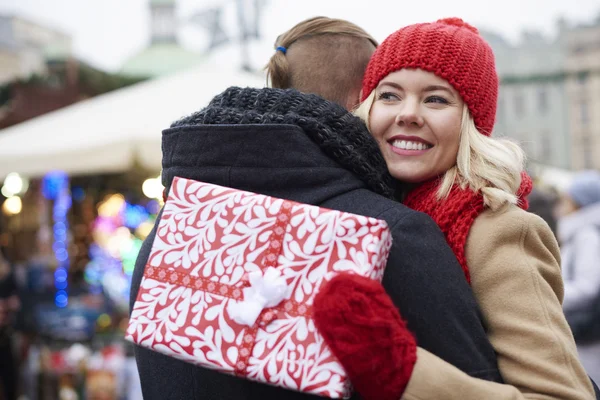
(323, 56)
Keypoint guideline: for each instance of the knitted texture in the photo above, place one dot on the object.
(366, 333)
(452, 50)
(456, 213)
(341, 135)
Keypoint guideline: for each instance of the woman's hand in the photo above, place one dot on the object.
(366, 333)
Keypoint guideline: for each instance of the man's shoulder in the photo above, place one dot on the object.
(370, 204)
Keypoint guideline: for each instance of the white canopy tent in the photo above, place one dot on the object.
(108, 133)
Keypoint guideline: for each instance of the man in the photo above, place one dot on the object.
(300, 147)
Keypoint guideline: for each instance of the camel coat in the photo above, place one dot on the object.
(514, 262)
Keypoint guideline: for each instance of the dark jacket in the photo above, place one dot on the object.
(303, 148)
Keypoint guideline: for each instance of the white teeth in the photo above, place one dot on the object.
(408, 145)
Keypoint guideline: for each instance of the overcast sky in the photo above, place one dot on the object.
(106, 32)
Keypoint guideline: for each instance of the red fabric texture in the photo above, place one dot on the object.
(449, 48)
(455, 214)
(366, 333)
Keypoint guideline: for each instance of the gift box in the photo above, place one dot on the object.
(231, 278)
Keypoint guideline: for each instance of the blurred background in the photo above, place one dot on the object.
(86, 88)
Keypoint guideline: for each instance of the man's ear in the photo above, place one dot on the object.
(354, 100)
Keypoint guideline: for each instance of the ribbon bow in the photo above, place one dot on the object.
(265, 291)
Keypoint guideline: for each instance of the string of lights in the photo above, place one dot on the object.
(56, 187)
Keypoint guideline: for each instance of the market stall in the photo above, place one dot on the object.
(111, 132)
(80, 191)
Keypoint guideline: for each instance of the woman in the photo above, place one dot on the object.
(579, 236)
(429, 99)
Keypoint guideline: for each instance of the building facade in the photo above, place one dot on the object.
(164, 54)
(532, 104)
(25, 46)
(549, 97)
(582, 66)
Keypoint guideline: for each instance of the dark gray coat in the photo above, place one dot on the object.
(302, 148)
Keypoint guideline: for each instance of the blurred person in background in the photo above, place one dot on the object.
(579, 236)
(542, 202)
(9, 305)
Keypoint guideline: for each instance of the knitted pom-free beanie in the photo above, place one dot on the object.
(366, 333)
(449, 48)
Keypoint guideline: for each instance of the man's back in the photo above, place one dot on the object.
(289, 150)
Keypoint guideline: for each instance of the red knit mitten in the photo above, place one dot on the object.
(366, 333)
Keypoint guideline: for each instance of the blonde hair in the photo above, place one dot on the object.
(487, 165)
(328, 57)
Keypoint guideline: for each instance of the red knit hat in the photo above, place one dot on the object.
(451, 49)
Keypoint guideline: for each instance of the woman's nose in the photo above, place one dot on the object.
(409, 113)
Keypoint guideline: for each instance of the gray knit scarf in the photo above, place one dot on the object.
(341, 135)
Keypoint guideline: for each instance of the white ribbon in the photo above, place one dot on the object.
(265, 291)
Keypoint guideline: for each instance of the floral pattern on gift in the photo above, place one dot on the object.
(211, 242)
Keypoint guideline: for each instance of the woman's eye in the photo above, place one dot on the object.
(436, 99)
(388, 96)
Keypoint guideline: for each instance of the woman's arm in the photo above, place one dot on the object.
(515, 274)
(518, 285)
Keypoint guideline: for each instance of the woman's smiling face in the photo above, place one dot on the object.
(416, 119)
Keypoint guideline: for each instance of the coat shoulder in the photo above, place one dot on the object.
(510, 226)
(512, 220)
(513, 242)
(370, 204)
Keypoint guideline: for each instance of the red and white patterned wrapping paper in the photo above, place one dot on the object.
(208, 240)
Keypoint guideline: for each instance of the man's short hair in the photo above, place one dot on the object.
(323, 56)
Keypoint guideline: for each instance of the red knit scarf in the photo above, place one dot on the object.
(455, 214)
